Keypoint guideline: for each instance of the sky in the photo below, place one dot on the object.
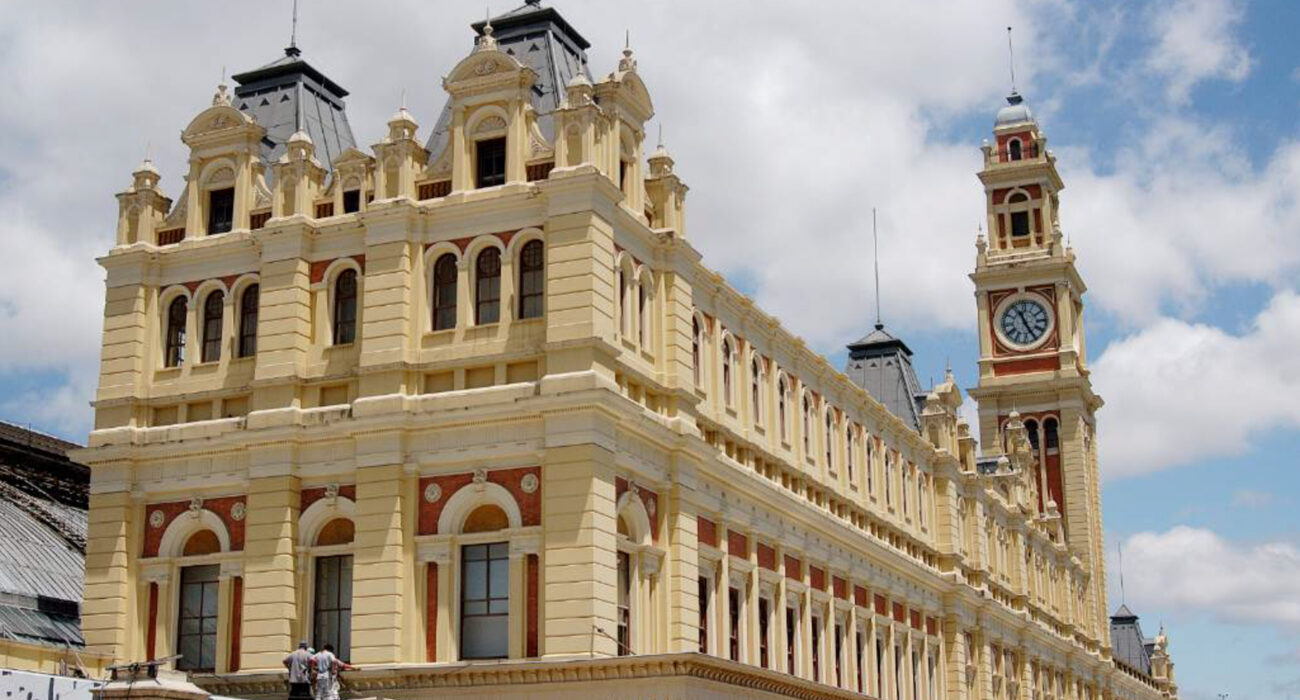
(1176, 125)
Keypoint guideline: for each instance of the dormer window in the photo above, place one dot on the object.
(221, 210)
(351, 201)
(490, 159)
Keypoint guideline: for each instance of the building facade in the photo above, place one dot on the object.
(474, 411)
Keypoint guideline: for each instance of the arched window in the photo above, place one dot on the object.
(1031, 427)
(1013, 148)
(889, 479)
(487, 289)
(907, 487)
(870, 468)
(622, 304)
(1019, 219)
(781, 417)
(248, 308)
(848, 452)
(532, 280)
(1051, 436)
(807, 427)
(755, 390)
(175, 339)
(695, 349)
(213, 307)
(345, 307)
(726, 370)
(643, 288)
(830, 438)
(444, 292)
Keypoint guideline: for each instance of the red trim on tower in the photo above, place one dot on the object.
(1026, 365)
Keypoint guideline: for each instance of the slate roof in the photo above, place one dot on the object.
(43, 498)
(1128, 645)
(881, 363)
(288, 94)
(540, 38)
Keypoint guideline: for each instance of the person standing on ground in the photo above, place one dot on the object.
(299, 665)
(327, 667)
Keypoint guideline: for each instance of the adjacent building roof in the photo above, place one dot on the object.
(43, 502)
(289, 94)
(541, 39)
(882, 364)
(1128, 645)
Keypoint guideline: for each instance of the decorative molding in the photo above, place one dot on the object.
(529, 483)
(432, 493)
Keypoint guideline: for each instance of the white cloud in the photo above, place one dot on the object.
(1180, 392)
(1250, 499)
(1195, 41)
(1193, 572)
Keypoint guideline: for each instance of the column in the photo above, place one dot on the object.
(109, 618)
(683, 571)
(271, 626)
(380, 577)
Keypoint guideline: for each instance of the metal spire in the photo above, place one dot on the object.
(293, 32)
(1011, 62)
(875, 256)
(1120, 547)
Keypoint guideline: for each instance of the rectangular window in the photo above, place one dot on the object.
(839, 655)
(862, 669)
(704, 614)
(880, 667)
(898, 672)
(351, 201)
(1020, 223)
(764, 611)
(490, 157)
(624, 603)
(485, 601)
(196, 638)
(733, 613)
(791, 623)
(816, 649)
(221, 210)
(332, 609)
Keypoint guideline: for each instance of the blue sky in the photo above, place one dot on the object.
(1176, 124)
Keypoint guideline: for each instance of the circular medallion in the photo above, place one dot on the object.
(237, 512)
(156, 518)
(432, 493)
(528, 483)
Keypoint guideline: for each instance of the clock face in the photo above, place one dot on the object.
(1024, 322)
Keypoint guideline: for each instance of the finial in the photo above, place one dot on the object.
(403, 98)
(1120, 546)
(1011, 61)
(293, 33)
(875, 257)
(661, 136)
(221, 98)
(487, 41)
(627, 38)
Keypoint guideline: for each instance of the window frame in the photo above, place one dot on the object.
(248, 316)
(175, 332)
(340, 607)
(444, 292)
(499, 150)
(532, 279)
(209, 589)
(344, 330)
(213, 318)
(221, 225)
(501, 619)
(487, 287)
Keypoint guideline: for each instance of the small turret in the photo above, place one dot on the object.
(667, 193)
(141, 207)
(298, 177)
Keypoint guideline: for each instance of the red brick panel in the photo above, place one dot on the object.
(649, 499)
(310, 496)
(766, 557)
(916, 619)
(816, 578)
(860, 596)
(931, 626)
(882, 605)
(236, 620)
(900, 613)
(793, 568)
(318, 268)
(840, 588)
(530, 504)
(1025, 366)
(737, 544)
(221, 507)
(708, 531)
(533, 605)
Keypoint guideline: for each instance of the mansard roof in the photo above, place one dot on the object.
(881, 363)
(542, 40)
(1128, 645)
(289, 94)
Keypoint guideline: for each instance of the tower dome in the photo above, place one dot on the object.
(1016, 112)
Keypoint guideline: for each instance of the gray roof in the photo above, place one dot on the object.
(541, 39)
(43, 526)
(1016, 112)
(1128, 646)
(882, 364)
(289, 94)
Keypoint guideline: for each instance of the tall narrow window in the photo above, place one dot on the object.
(1013, 147)
(791, 622)
(1052, 438)
(485, 601)
(839, 655)
(351, 201)
(345, 307)
(532, 280)
(869, 467)
(849, 454)
(332, 608)
(249, 303)
(817, 649)
(1019, 219)
(624, 604)
(623, 315)
(703, 591)
(221, 210)
(916, 676)
(898, 672)
(213, 307)
(444, 292)
(695, 349)
(830, 440)
(880, 667)
(196, 638)
(907, 484)
(889, 479)
(807, 428)
(782, 418)
(764, 627)
(733, 623)
(755, 404)
(487, 287)
(858, 649)
(643, 311)
(726, 370)
(175, 350)
(922, 485)
(490, 157)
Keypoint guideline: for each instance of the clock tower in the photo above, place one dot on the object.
(1032, 352)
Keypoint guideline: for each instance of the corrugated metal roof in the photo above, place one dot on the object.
(37, 560)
